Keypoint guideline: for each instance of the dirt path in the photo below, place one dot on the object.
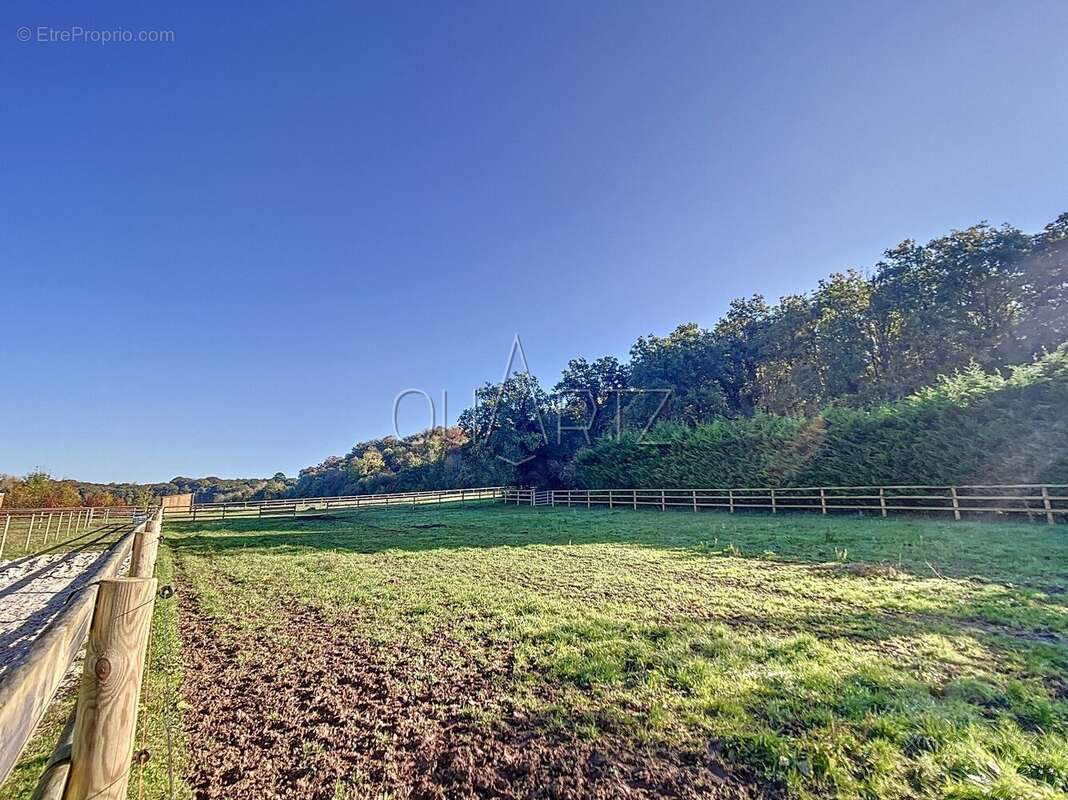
(319, 713)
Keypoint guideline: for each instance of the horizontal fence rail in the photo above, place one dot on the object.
(1043, 502)
(310, 506)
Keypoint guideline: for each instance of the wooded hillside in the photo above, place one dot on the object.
(847, 378)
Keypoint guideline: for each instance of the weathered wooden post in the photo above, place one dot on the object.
(1048, 505)
(695, 501)
(634, 498)
(106, 716)
(956, 502)
(774, 509)
(882, 500)
(663, 501)
(730, 499)
(29, 532)
(145, 548)
(823, 501)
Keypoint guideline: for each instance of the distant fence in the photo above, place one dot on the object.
(24, 529)
(110, 617)
(1039, 501)
(310, 506)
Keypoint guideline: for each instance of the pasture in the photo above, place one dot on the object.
(512, 651)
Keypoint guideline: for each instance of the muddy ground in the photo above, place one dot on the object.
(323, 713)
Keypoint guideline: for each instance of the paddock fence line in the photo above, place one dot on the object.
(311, 506)
(110, 617)
(1039, 501)
(24, 529)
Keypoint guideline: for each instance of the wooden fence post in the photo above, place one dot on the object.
(1047, 505)
(773, 507)
(3, 541)
(663, 501)
(146, 547)
(695, 501)
(143, 557)
(634, 499)
(587, 498)
(956, 503)
(609, 498)
(730, 499)
(29, 533)
(882, 500)
(823, 501)
(106, 716)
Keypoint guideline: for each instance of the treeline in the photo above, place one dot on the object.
(972, 427)
(826, 387)
(840, 370)
(428, 460)
(40, 490)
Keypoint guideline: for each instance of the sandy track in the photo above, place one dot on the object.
(33, 591)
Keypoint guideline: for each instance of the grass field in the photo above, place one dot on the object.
(493, 651)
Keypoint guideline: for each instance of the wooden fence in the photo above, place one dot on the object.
(310, 506)
(110, 616)
(1043, 502)
(23, 530)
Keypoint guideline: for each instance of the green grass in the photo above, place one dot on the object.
(824, 657)
(160, 709)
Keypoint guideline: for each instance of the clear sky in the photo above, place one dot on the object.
(226, 254)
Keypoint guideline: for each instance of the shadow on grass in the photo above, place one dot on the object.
(1029, 555)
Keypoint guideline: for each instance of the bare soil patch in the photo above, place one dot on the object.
(323, 713)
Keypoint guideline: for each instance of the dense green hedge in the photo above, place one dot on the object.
(970, 428)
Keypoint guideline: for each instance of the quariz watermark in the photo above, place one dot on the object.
(511, 416)
(78, 34)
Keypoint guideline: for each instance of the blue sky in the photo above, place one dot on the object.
(228, 253)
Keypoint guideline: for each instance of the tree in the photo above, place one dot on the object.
(587, 394)
(40, 490)
(508, 419)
